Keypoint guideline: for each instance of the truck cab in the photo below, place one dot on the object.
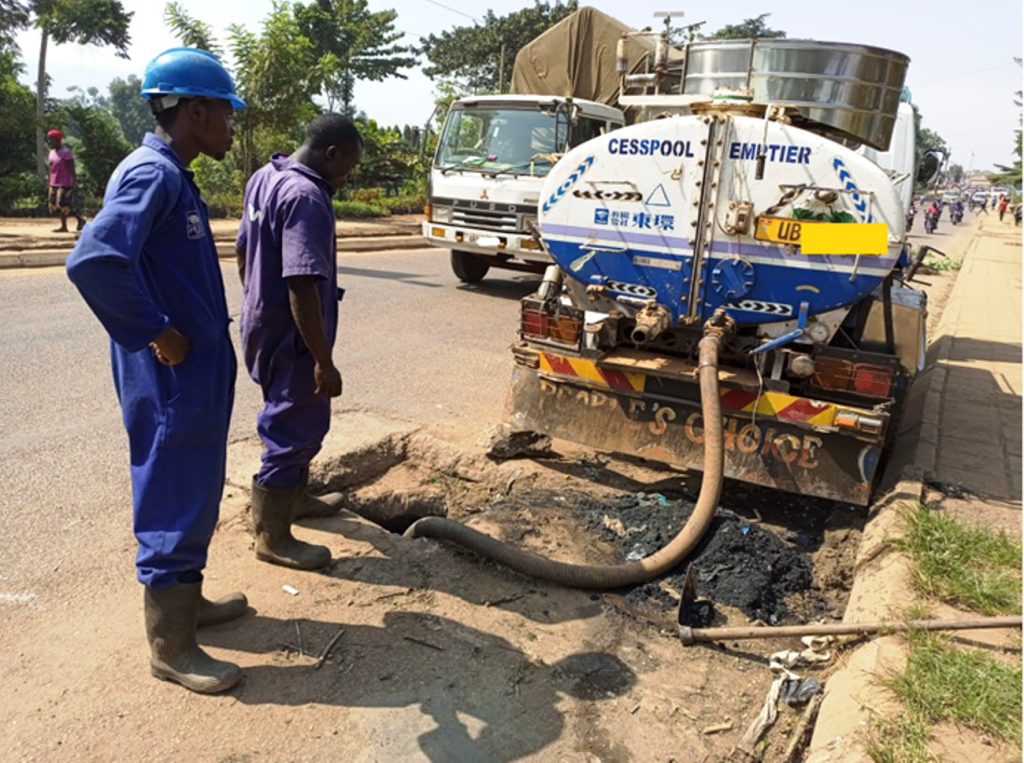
(491, 162)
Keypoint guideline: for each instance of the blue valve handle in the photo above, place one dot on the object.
(785, 339)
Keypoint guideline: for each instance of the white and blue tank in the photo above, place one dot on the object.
(676, 210)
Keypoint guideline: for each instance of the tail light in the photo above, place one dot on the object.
(535, 324)
(832, 373)
(875, 381)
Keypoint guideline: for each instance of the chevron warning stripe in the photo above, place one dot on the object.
(609, 195)
(781, 406)
(586, 369)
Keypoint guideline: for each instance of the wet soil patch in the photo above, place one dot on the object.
(738, 563)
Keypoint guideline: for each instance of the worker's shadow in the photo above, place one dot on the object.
(416, 564)
(481, 698)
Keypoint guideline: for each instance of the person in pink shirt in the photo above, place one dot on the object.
(63, 188)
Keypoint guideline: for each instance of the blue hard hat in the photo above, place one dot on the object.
(189, 72)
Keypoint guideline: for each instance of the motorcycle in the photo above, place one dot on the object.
(910, 221)
(956, 214)
(931, 223)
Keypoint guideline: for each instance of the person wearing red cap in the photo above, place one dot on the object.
(63, 188)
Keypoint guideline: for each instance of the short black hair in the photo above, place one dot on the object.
(333, 130)
(166, 117)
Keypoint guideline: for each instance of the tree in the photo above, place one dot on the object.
(101, 144)
(14, 15)
(956, 173)
(131, 111)
(1011, 175)
(85, 22)
(750, 29)
(479, 59)
(192, 32)
(352, 44)
(17, 117)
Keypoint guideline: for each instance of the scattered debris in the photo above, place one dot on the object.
(421, 642)
(717, 728)
(950, 489)
(289, 589)
(327, 650)
(298, 635)
(797, 692)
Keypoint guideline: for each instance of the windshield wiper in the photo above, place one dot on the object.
(450, 168)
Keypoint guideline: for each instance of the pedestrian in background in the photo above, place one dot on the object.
(287, 260)
(148, 268)
(63, 195)
(1003, 203)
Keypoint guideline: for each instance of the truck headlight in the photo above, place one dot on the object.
(441, 214)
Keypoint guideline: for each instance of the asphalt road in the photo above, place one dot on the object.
(413, 342)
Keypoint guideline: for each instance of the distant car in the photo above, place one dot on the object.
(951, 196)
(979, 198)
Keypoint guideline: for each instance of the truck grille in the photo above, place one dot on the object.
(483, 218)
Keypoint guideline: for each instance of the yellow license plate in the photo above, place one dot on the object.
(781, 230)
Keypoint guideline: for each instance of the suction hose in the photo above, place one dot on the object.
(659, 563)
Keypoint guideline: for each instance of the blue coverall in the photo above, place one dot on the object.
(287, 231)
(146, 262)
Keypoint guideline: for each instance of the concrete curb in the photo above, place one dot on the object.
(42, 258)
(881, 576)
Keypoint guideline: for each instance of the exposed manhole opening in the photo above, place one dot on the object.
(794, 566)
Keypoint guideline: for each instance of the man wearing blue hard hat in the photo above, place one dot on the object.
(148, 269)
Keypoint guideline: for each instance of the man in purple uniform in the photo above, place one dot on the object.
(287, 260)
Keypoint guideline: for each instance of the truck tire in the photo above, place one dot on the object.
(469, 268)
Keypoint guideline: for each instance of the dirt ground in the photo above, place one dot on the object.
(440, 655)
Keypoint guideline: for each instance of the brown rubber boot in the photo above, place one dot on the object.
(315, 507)
(220, 611)
(272, 511)
(171, 630)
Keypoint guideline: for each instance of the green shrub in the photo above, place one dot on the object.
(358, 209)
(224, 205)
(405, 205)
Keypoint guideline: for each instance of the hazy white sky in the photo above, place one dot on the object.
(962, 73)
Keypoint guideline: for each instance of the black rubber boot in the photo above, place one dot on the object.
(220, 611)
(171, 630)
(314, 507)
(272, 512)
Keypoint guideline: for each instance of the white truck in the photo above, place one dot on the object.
(493, 156)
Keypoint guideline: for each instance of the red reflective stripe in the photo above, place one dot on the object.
(801, 409)
(738, 399)
(560, 365)
(615, 379)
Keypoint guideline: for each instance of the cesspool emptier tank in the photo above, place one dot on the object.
(633, 211)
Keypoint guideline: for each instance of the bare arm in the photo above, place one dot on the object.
(240, 259)
(305, 304)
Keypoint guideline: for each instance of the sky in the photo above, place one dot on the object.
(962, 74)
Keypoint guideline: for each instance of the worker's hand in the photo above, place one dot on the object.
(171, 347)
(328, 380)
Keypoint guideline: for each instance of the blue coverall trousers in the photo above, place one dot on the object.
(177, 419)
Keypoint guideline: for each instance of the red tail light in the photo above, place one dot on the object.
(875, 381)
(536, 323)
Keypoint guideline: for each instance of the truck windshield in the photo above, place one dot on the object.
(506, 140)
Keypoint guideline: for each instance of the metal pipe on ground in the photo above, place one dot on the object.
(658, 563)
(690, 636)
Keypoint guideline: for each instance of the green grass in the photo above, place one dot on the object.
(943, 683)
(968, 567)
(358, 209)
(900, 739)
(943, 264)
(965, 686)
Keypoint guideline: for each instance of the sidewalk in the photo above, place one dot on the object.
(962, 431)
(31, 243)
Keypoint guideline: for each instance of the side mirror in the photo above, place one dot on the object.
(930, 165)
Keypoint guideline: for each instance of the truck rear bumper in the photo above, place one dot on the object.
(483, 242)
(788, 443)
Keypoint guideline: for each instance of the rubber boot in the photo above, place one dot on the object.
(272, 511)
(171, 630)
(220, 611)
(314, 507)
